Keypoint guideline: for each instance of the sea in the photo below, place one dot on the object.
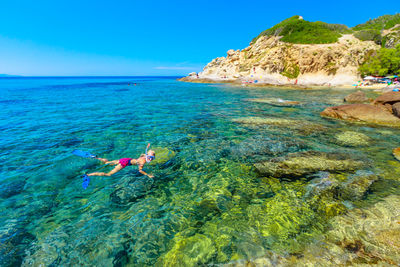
(208, 204)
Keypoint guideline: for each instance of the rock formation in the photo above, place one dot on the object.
(268, 60)
(383, 111)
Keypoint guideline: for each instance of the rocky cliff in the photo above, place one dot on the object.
(272, 61)
(282, 55)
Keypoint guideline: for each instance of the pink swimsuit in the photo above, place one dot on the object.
(125, 162)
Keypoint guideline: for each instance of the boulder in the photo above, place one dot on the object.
(396, 109)
(362, 113)
(357, 97)
(304, 163)
(387, 98)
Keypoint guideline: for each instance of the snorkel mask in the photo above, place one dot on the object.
(148, 157)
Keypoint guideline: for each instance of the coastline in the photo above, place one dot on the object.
(238, 82)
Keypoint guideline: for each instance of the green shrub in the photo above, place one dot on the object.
(385, 61)
(381, 23)
(369, 35)
(291, 71)
(298, 31)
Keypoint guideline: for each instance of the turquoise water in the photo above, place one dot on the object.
(207, 204)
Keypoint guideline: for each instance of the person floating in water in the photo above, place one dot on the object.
(122, 163)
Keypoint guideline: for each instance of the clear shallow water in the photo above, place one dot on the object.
(206, 203)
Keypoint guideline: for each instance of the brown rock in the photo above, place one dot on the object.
(387, 98)
(396, 153)
(362, 113)
(396, 109)
(357, 97)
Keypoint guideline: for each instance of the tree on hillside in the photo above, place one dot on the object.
(383, 62)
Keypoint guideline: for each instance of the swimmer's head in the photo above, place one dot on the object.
(151, 155)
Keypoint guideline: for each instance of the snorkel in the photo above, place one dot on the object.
(149, 158)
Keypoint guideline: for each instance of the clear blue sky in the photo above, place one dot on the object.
(148, 37)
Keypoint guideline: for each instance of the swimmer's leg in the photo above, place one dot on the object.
(106, 161)
(115, 170)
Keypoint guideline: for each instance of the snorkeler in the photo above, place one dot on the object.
(122, 163)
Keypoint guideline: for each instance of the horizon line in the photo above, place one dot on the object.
(86, 76)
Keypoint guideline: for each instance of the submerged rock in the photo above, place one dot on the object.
(278, 102)
(264, 121)
(256, 146)
(14, 240)
(350, 138)
(135, 189)
(362, 113)
(357, 185)
(303, 127)
(300, 164)
(163, 155)
(361, 237)
(321, 184)
(11, 189)
(357, 97)
(190, 251)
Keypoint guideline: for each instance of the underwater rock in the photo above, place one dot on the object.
(14, 240)
(357, 97)
(275, 102)
(356, 185)
(303, 127)
(320, 185)
(215, 201)
(135, 189)
(362, 113)
(256, 146)
(191, 251)
(11, 189)
(380, 228)
(266, 121)
(361, 237)
(350, 138)
(163, 155)
(300, 164)
(396, 153)
(387, 98)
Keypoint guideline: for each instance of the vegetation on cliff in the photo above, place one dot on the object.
(298, 31)
(382, 62)
(384, 30)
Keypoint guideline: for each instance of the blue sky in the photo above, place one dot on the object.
(148, 37)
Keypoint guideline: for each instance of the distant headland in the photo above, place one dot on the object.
(303, 53)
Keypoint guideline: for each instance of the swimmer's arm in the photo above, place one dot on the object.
(143, 172)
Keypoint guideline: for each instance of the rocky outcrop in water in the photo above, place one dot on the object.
(357, 97)
(384, 111)
(300, 164)
(362, 113)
